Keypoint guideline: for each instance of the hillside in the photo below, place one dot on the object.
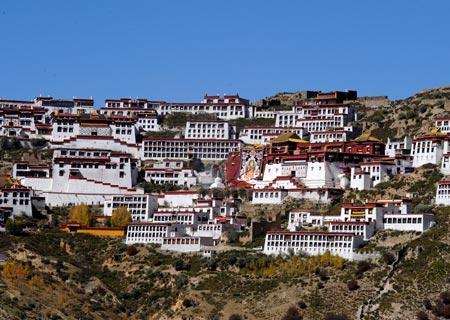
(412, 116)
(98, 278)
(50, 274)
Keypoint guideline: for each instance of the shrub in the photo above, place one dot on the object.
(423, 108)
(292, 314)
(132, 250)
(38, 143)
(301, 304)
(14, 227)
(323, 274)
(427, 304)
(423, 208)
(233, 236)
(438, 309)
(388, 258)
(181, 280)
(445, 297)
(421, 315)
(335, 316)
(15, 271)
(180, 265)
(352, 285)
(362, 267)
(235, 317)
(187, 303)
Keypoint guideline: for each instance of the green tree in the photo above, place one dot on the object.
(14, 227)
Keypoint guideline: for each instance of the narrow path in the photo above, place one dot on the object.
(386, 286)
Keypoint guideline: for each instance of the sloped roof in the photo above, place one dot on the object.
(366, 137)
(288, 137)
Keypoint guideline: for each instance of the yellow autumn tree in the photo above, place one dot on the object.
(82, 214)
(120, 217)
(15, 271)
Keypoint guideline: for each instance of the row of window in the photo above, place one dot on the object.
(307, 244)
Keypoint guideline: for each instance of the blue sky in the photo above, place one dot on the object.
(179, 50)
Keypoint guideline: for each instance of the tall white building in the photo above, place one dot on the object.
(141, 206)
(85, 176)
(209, 130)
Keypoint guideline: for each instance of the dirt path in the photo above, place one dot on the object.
(372, 304)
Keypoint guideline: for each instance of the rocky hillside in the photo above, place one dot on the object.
(54, 275)
(411, 116)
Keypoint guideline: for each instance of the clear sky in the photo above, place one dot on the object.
(179, 50)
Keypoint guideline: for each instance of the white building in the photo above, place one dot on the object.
(220, 130)
(21, 121)
(443, 124)
(267, 114)
(182, 244)
(17, 199)
(125, 104)
(147, 122)
(192, 218)
(268, 196)
(171, 172)
(85, 176)
(443, 192)
(429, 148)
(100, 143)
(311, 243)
(418, 222)
(227, 107)
(398, 147)
(286, 118)
(299, 219)
(67, 126)
(24, 169)
(261, 135)
(361, 228)
(60, 106)
(317, 116)
(330, 136)
(145, 232)
(210, 230)
(445, 164)
(141, 206)
(186, 149)
(178, 198)
(359, 179)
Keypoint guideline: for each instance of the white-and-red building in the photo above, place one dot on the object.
(262, 134)
(227, 107)
(174, 172)
(429, 148)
